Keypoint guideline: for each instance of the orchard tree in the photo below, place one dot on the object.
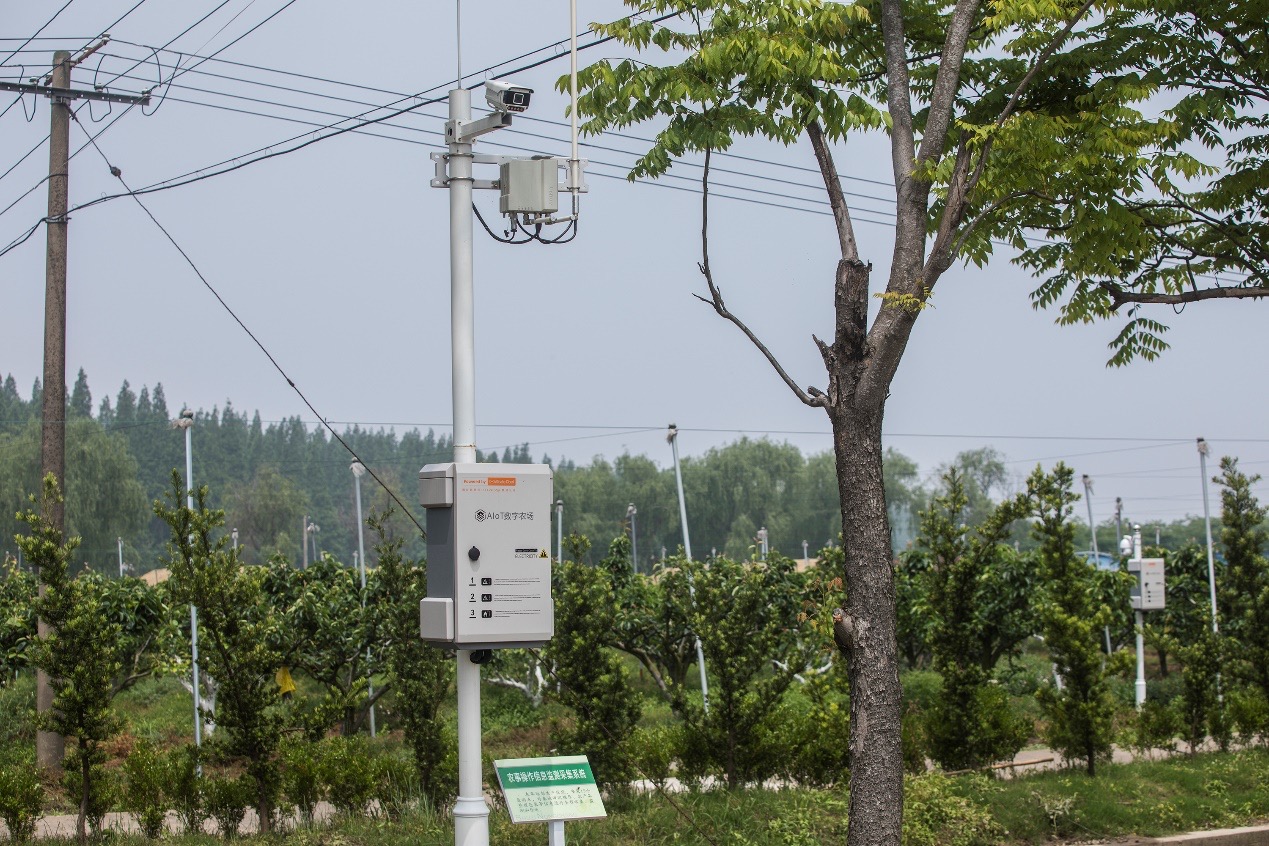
(984, 105)
(978, 604)
(588, 675)
(242, 639)
(71, 654)
(1246, 588)
(420, 674)
(1071, 620)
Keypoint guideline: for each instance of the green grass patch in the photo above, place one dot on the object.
(1151, 798)
(1146, 798)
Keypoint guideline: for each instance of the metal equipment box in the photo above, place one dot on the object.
(488, 555)
(1148, 593)
(529, 186)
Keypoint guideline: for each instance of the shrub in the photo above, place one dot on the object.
(399, 787)
(185, 788)
(146, 796)
(350, 775)
(592, 680)
(653, 749)
(21, 799)
(921, 688)
(912, 736)
(1249, 712)
(302, 776)
(17, 718)
(967, 737)
(1156, 727)
(935, 815)
(811, 731)
(227, 801)
(99, 797)
(420, 673)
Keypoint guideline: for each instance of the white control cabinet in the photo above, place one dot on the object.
(488, 555)
(1148, 593)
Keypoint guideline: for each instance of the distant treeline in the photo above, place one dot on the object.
(270, 478)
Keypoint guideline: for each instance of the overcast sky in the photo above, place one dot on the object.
(336, 257)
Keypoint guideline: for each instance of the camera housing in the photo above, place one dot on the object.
(507, 97)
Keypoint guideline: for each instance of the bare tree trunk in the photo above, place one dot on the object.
(876, 754)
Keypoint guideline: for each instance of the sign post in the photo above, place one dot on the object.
(550, 790)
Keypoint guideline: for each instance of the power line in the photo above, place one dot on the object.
(118, 175)
(38, 31)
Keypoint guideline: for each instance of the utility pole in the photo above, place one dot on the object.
(50, 747)
(1092, 533)
(673, 438)
(1119, 520)
(1211, 557)
(632, 512)
(358, 470)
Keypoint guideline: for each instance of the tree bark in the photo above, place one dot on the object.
(876, 754)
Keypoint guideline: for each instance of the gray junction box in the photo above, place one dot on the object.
(488, 555)
(528, 186)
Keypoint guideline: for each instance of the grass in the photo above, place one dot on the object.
(1148, 798)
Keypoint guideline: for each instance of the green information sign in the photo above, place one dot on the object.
(544, 789)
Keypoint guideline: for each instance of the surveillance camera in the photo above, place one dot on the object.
(505, 97)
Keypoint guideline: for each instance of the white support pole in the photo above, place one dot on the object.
(673, 438)
(358, 470)
(187, 417)
(120, 541)
(559, 530)
(1211, 554)
(1092, 533)
(574, 163)
(471, 812)
(556, 833)
(1139, 618)
(633, 513)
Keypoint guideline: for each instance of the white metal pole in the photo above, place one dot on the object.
(471, 813)
(358, 470)
(556, 835)
(806, 555)
(188, 417)
(120, 541)
(1139, 618)
(559, 530)
(574, 164)
(1207, 521)
(1211, 555)
(634, 538)
(1092, 533)
(673, 438)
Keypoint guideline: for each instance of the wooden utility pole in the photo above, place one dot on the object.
(49, 746)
